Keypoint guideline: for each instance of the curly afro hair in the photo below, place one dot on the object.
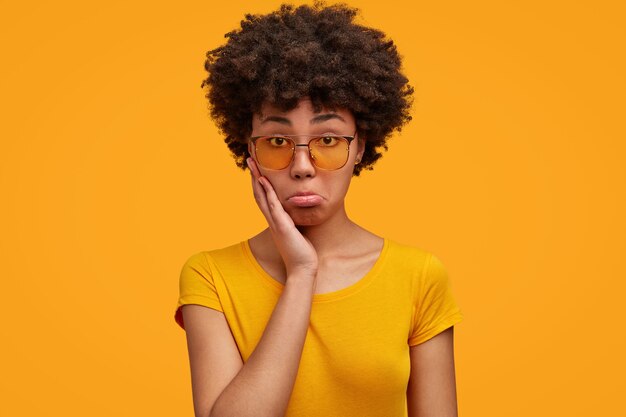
(309, 51)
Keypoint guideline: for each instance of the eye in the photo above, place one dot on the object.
(278, 142)
(327, 141)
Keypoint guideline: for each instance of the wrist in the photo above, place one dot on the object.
(301, 279)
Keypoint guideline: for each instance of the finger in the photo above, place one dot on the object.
(261, 199)
(280, 216)
(254, 168)
(266, 187)
(271, 201)
(260, 196)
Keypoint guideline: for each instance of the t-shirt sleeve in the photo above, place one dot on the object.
(196, 286)
(436, 308)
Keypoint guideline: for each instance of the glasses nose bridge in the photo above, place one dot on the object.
(307, 149)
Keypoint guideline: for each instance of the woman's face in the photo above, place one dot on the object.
(301, 176)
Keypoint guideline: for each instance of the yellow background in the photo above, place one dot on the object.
(112, 174)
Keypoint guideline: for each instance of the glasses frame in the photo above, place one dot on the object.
(349, 138)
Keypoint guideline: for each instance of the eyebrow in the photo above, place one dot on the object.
(316, 120)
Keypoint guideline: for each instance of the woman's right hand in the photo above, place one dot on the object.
(297, 252)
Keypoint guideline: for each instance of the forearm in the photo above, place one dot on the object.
(264, 384)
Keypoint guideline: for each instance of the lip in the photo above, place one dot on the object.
(305, 199)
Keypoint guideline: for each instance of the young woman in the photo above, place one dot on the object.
(314, 316)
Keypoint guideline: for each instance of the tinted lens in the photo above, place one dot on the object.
(329, 152)
(274, 152)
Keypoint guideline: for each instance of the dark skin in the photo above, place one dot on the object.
(323, 245)
(305, 248)
(322, 240)
(310, 250)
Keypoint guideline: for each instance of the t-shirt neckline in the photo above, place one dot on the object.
(278, 286)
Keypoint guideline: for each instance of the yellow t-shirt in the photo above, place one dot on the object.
(356, 359)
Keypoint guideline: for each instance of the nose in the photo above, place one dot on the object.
(302, 165)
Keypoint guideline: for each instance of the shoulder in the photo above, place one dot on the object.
(405, 255)
(209, 263)
(206, 257)
(423, 266)
(228, 263)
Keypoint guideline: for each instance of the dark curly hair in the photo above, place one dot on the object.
(309, 51)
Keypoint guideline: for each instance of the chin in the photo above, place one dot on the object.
(306, 217)
(306, 223)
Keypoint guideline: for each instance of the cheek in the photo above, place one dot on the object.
(339, 187)
(277, 185)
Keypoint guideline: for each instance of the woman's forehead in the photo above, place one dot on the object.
(304, 108)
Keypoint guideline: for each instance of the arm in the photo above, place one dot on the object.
(263, 385)
(432, 386)
(213, 355)
(224, 386)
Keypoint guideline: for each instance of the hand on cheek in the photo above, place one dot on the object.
(296, 251)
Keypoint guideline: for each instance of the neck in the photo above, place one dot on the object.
(336, 232)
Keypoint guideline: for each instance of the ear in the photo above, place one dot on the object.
(251, 149)
(360, 148)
